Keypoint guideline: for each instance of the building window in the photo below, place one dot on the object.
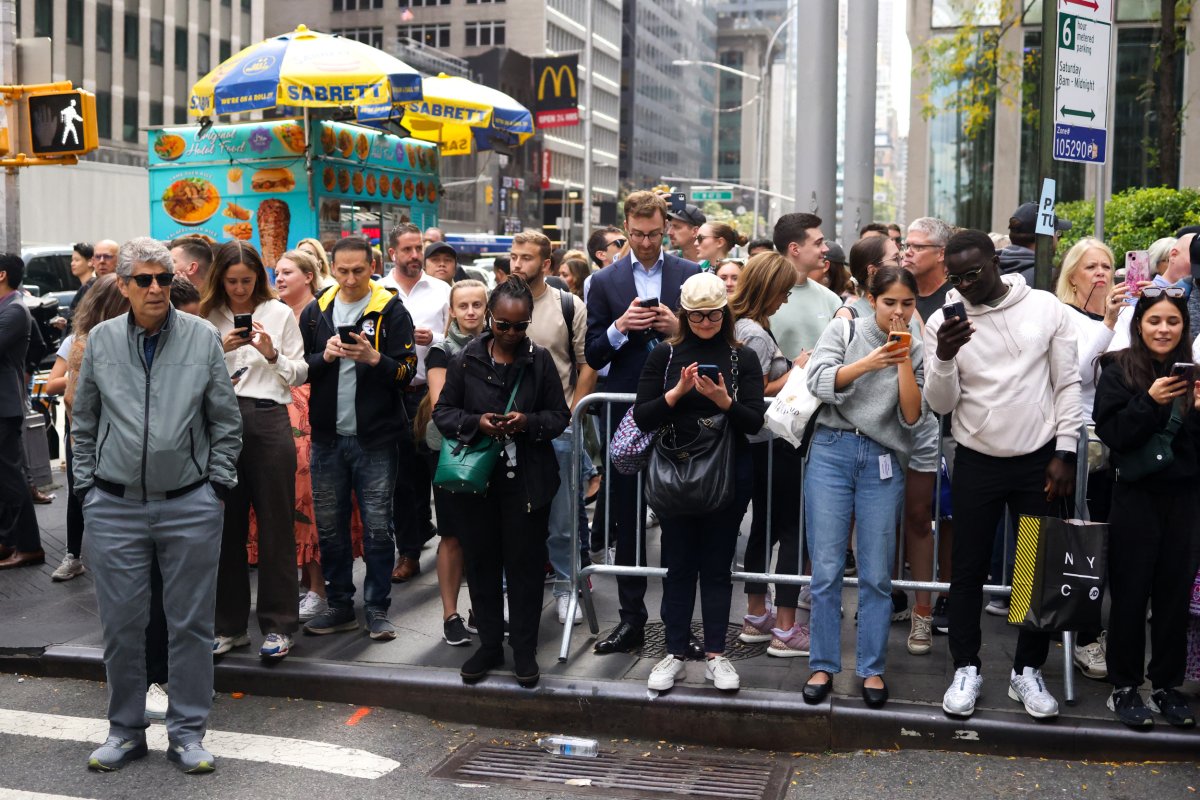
(74, 21)
(43, 18)
(181, 48)
(246, 6)
(482, 2)
(157, 33)
(1133, 143)
(156, 112)
(224, 50)
(356, 5)
(1069, 176)
(104, 114)
(432, 35)
(104, 29)
(371, 36)
(131, 36)
(129, 130)
(203, 54)
(485, 34)
(420, 3)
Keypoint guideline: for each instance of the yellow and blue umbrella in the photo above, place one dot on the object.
(463, 117)
(307, 69)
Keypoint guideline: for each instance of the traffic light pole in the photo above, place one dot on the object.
(589, 47)
(1044, 254)
(10, 217)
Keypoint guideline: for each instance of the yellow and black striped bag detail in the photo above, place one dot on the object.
(1029, 530)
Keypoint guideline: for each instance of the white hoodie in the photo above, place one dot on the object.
(1015, 384)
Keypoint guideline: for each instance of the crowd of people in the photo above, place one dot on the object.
(222, 416)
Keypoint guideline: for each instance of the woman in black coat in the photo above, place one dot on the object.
(1152, 551)
(503, 532)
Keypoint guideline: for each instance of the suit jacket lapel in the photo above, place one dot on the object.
(625, 287)
(672, 278)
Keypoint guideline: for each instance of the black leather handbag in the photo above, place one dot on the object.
(696, 476)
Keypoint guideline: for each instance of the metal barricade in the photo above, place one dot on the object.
(580, 575)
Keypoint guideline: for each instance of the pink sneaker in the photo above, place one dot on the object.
(757, 629)
(789, 644)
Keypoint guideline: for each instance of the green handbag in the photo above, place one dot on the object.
(1153, 456)
(464, 468)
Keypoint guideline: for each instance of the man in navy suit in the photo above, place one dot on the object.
(631, 308)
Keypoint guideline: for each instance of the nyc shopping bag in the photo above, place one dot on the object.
(1059, 574)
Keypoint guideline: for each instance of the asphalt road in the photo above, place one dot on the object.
(390, 755)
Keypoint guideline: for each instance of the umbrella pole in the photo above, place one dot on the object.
(308, 161)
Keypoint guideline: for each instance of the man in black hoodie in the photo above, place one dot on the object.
(1022, 230)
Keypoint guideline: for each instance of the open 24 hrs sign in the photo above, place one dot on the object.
(1081, 80)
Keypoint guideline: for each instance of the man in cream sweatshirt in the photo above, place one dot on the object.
(1010, 373)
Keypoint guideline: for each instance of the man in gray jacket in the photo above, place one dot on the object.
(157, 432)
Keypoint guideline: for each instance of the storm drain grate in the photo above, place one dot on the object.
(639, 776)
(735, 649)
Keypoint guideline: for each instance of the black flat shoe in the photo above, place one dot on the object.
(816, 692)
(695, 650)
(480, 663)
(875, 698)
(623, 639)
(525, 670)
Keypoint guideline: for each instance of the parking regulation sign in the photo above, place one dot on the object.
(1081, 80)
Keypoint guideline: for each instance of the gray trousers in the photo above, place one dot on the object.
(185, 533)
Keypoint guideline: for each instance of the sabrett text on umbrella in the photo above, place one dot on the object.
(449, 111)
(343, 93)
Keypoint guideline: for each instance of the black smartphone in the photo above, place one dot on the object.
(344, 332)
(954, 311)
(239, 373)
(710, 371)
(649, 302)
(678, 202)
(244, 321)
(1182, 369)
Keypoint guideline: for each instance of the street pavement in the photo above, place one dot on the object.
(52, 629)
(405, 748)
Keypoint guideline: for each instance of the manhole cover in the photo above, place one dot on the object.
(735, 649)
(649, 775)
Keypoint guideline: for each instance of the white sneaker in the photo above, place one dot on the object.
(997, 607)
(920, 635)
(223, 644)
(1091, 660)
(666, 672)
(71, 567)
(156, 702)
(960, 698)
(720, 671)
(312, 605)
(1029, 688)
(805, 600)
(563, 602)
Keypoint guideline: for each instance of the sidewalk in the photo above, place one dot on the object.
(53, 629)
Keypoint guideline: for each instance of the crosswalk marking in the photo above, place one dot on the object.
(302, 753)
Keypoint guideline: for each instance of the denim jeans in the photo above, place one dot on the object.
(558, 543)
(338, 468)
(843, 479)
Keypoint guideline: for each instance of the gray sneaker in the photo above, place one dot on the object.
(192, 758)
(116, 753)
(377, 623)
(334, 620)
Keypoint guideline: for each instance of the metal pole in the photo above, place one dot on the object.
(761, 134)
(10, 197)
(588, 60)
(1045, 252)
(858, 186)
(816, 113)
(1100, 178)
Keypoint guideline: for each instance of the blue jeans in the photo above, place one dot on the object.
(558, 543)
(338, 468)
(843, 479)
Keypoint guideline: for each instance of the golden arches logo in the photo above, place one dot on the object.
(557, 75)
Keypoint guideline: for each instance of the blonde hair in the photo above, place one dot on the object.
(1071, 262)
(764, 277)
(319, 255)
(469, 283)
(307, 263)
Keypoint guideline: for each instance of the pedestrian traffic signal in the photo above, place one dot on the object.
(62, 123)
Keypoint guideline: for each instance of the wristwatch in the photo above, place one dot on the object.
(1068, 456)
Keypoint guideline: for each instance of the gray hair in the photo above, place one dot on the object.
(1160, 251)
(938, 231)
(143, 250)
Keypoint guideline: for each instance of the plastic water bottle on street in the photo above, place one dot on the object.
(569, 746)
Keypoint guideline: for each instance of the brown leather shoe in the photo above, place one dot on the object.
(407, 567)
(40, 497)
(19, 559)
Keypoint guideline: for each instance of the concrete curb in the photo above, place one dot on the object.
(756, 719)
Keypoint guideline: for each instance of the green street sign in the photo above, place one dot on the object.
(716, 195)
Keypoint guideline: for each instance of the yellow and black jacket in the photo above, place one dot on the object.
(378, 402)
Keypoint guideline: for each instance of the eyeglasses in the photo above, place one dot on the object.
(1158, 291)
(163, 279)
(700, 239)
(905, 247)
(964, 277)
(716, 315)
(895, 260)
(505, 326)
(617, 243)
(640, 235)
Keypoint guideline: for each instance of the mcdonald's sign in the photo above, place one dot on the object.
(556, 89)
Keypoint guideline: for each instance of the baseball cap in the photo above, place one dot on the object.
(703, 292)
(1024, 220)
(690, 214)
(836, 254)
(433, 248)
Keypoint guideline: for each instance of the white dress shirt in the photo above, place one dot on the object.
(264, 380)
(429, 306)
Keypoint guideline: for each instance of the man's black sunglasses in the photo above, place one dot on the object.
(617, 243)
(505, 326)
(163, 279)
